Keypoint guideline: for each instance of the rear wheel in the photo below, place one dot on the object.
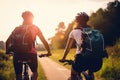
(26, 77)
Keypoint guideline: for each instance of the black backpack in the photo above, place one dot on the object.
(22, 41)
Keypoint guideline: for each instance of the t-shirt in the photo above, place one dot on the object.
(76, 34)
(34, 32)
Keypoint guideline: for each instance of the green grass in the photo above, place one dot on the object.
(58, 54)
(41, 74)
(6, 67)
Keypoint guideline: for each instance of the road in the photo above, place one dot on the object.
(53, 70)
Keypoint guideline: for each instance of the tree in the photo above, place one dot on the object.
(108, 22)
(58, 40)
(2, 45)
(61, 27)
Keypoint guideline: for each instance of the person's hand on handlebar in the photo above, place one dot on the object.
(48, 54)
(45, 55)
(66, 61)
(61, 60)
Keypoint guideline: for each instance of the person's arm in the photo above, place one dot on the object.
(9, 45)
(68, 47)
(8, 41)
(45, 43)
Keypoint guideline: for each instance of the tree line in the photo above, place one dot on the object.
(106, 20)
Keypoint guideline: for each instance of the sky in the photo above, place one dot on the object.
(47, 13)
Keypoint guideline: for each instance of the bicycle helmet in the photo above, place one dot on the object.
(27, 14)
(82, 16)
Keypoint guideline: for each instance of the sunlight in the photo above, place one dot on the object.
(62, 36)
(47, 14)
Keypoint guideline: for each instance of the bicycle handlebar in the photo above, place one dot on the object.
(69, 62)
(44, 55)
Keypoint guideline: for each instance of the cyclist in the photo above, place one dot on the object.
(32, 53)
(76, 34)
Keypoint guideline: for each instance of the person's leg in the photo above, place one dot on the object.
(91, 75)
(34, 73)
(73, 74)
(17, 68)
(34, 76)
(33, 66)
(77, 67)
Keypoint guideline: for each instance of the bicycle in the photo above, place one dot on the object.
(79, 77)
(25, 67)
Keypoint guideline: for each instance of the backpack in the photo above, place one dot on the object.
(22, 40)
(93, 43)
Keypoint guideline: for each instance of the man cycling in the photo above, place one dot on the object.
(30, 54)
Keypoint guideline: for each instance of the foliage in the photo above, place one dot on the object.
(114, 50)
(6, 68)
(108, 22)
(2, 45)
(59, 40)
(111, 69)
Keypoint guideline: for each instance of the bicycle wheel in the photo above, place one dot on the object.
(26, 78)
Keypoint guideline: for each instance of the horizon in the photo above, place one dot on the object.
(47, 14)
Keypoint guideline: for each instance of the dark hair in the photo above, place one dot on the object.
(81, 17)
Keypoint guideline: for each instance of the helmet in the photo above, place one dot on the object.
(82, 16)
(27, 14)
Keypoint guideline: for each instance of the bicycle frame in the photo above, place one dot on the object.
(25, 71)
(25, 74)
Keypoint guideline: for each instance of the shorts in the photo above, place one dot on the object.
(33, 64)
(83, 63)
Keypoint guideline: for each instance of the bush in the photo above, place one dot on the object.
(111, 69)
(6, 67)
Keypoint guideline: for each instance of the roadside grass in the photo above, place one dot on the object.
(41, 74)
(58, 54)
(6, 67)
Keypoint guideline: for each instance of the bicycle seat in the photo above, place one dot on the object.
(24, 61)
